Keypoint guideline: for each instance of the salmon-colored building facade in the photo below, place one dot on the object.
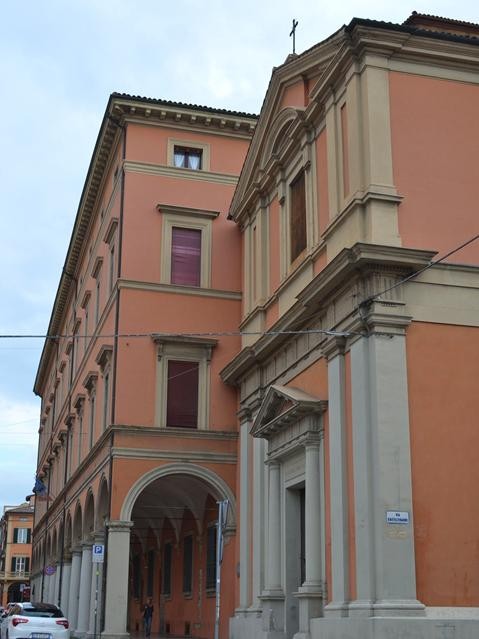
(286, 321)
(15, 553)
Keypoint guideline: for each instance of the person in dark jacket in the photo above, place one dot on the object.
(148, 616)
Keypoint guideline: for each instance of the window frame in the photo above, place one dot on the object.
(193, 349)
(177, 217)
(204, 147)
(210, 585)
(188, 569)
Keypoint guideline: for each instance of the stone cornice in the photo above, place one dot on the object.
(360, 260)
(188, 116)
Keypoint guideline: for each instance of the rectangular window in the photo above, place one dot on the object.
(80, 436)
(182, 394)
(21, 535)
(111, 276)
(151, 573)
(186, 256)
(298, 217)
(97, 301)
(167, 569)
(92, 419)
(187, 158)
(20, 565)
(136, 565)
(106, 399)
(187, 564)
(211, 558)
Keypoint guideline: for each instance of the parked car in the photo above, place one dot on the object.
(31, 620)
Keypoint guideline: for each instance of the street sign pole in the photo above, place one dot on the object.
(220, 527)
(97, 556)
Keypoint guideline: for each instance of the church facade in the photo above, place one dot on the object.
(358, 364)
(280, 312)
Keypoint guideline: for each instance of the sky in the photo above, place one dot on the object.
(59, 62)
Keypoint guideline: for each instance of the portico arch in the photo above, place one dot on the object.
(218, 486)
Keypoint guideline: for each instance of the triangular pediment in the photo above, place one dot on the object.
(283, 405)
(286, 101)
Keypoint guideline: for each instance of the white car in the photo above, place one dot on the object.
(31, 620)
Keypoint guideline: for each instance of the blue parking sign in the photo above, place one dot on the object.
(98, 553)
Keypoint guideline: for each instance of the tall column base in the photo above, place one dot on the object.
(272, 616)
(310, 606)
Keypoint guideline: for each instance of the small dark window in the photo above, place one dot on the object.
(187, 158)
(150, 574)
(182, 394)
(167, 569)
(211, 559)
(136, 576)
(185, 256)
(187, 564)
(298, 216)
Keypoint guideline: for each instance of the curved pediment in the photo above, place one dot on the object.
(283, 405)
(278, 133)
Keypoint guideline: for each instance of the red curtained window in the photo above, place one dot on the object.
(182, 395)
(185, 256)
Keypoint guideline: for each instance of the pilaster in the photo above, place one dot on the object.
(334, 350)
(74, 588)
(116, 598)
(85, 585)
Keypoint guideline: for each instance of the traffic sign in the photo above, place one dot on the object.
(98, 553)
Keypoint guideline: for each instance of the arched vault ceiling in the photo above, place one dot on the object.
(169, 497)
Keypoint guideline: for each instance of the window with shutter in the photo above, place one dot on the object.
(211, 558)
(186, 256)
(187, 564)
(297, 217)
(182, 394)
(151, 571)
(167, 569)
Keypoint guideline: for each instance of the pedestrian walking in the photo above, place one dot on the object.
(148, 616)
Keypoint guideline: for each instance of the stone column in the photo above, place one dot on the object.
(65, 586)
(338, 481)
(259, 520)
(273, 595)
(363, 497)
(116, 598)
(313, 539)
(51, 587)
(85, 585)
(74, 588)
(310, 594)
(56, 584)
(388, 564)
(95, 598)
(244, 532)
(274, 528)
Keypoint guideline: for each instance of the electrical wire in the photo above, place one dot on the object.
(374, 297)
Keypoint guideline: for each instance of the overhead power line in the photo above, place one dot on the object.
(374, 297)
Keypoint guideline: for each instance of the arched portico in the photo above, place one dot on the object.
(164, 547)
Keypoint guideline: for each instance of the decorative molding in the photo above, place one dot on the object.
(97, 264)
(181, 210)
(104, 356)
(90, 381)
(110, 231)
(185, 174)
(283, 406)
(86, 299)
(175, 455)
(180, 290)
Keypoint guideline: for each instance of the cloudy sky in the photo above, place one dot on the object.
(59, 61)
